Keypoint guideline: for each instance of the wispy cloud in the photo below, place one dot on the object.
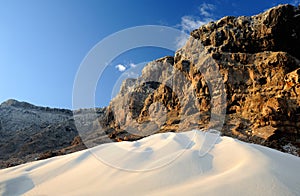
(121, 67)
(189, 23)
(295, 2)
(132, 65)
(181, 40)
(206, 9)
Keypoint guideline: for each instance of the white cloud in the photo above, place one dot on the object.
(206, 9)
(181, 40)
(189, 23)
(132, 65)
(295, 2)
(121, 67)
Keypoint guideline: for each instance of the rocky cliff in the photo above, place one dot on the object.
(29, 132)
(239, 75)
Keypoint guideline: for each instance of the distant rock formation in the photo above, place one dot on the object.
(29, 132)
(257, 61)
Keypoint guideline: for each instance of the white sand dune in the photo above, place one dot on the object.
(162, 164)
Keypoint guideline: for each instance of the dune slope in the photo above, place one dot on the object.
(162, 164)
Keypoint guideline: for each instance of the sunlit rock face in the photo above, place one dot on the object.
(252, 61)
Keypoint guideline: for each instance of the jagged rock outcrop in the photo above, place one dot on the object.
(274, 30)
(247, 67)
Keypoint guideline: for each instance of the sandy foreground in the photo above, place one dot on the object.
(162, 164)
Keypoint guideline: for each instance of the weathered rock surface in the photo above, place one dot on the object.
(246, 67)
(29, 132)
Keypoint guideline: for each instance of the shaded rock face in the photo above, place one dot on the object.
(239, 75)
(29, 132)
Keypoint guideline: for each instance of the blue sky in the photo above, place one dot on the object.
(42, 43)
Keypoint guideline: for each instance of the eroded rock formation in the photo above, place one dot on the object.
(246, 67)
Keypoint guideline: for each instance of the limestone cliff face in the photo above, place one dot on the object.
(239, 75)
